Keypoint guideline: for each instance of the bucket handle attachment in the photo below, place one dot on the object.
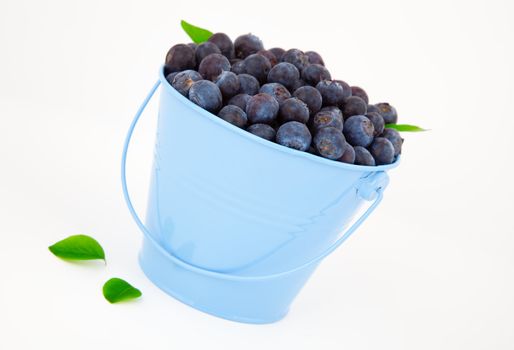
(369, 188)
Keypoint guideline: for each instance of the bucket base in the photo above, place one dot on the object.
(255, 300)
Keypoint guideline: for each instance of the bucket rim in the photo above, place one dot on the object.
(245, 134)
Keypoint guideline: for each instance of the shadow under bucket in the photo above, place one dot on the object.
(236, 224)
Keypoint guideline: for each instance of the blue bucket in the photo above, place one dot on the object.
(236, 224)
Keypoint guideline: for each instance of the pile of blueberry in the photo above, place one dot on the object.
(287, 97)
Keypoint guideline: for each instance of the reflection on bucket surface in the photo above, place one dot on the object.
(234, 220)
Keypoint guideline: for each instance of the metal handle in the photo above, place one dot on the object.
(369, 188)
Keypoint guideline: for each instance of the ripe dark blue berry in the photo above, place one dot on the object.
(335, 110)
(348, 155)
(238, 66)
(206, 94)
(377, 121)
(359, 92)
(262, 130)
(310, 96)
(248, 84)
(294, 135)
(347, 90)
(314, 73)
(205, 49)
(240, 100)
(224, 43)
(327, 118)
(331, 92)
(278, 91)
(388, 112)
(212, 66)
(182, 81)
(354, 105)
(296, 57)
(284, 73)
(234, 115)
(269, 55)
(363, 157)
(180, 57)
(372, 108)
(247, 44)
(258, 66)
(170, 76)
(382, 151)
(394, 137)
(262, 108)
(329, 143)
(298, 84)
(358, 130)
(314, 57)
(228, 83)
(294, 109)
(278, 53)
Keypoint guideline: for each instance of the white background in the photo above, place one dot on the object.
(431, 269)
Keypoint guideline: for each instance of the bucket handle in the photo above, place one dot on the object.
(369, 188)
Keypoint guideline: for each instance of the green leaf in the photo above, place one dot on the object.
(78, 247)
(405, 127)
(116, 290)
(197, 34)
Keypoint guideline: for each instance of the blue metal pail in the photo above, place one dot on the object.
(236, 224)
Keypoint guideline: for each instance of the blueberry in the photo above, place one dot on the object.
(180, 57)
(284, 73)
(228, 83)
(238, 66)
(394, 137)
(359, 92)
(262, 130)
(262, 108)
(248, 84)
(314, 73)
(193, 46)
(212, 66)
(294, 109)
(348, 154)
(247, 44)
(296, 57)
(377, 121)
(331, 92)
(335, 110)
(234, 115)
(224, 43)
(278, 91)
(182, 81)
(269, 55)
(310, 96)
(327, 118)
(329, 143)
(354, 105)
(363, 157)
(373, 108)
(170, 76)
(278, 53)
(205, 49)
(258, 66)
(298, 84)
(358, 130)
(294, 135)
(382, 151)
(388, 112)
(314, 57)
(206, 94)
(240, 100)
(347, 90)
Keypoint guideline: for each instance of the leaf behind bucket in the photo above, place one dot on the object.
(78, 247)
(197, 34)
